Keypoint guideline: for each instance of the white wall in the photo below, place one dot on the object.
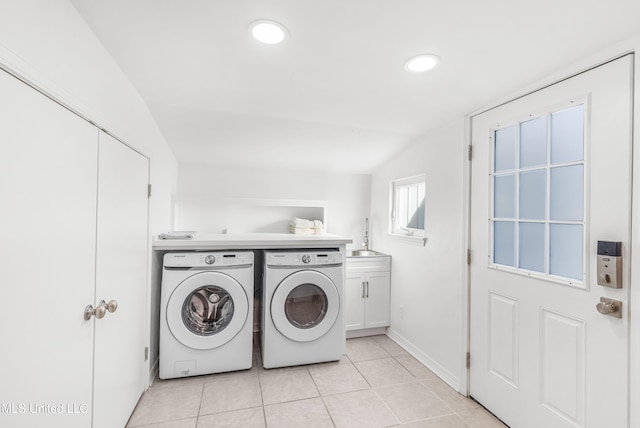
(427, 281)
(347, 197)
(47, 43)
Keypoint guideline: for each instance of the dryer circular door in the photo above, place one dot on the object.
(305, 306)
(207, 310)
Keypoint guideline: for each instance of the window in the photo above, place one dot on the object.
(407, 206)
(538, 182)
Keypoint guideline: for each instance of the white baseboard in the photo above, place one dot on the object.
(153, 372)
(351, 334)
(442, 373)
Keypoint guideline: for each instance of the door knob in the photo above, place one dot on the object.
(606, 308)
(101, 310)
(112, 306)
(610, 307)
(98, 312)
(88, 312)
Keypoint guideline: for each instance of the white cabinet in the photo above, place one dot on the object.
(367, 294)
(74, 215)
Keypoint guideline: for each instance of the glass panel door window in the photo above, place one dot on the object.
(538, 195)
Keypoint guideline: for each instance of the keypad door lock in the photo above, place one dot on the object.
(610, 264)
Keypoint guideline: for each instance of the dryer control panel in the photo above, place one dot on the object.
(208, 259)
(304, 258)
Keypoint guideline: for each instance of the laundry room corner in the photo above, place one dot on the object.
(426, 313)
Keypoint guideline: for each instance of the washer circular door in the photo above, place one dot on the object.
(207, 310)
(305, 306)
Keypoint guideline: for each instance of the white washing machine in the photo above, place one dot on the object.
(302, 307)
(206, 313)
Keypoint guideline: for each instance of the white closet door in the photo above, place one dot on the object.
(121, 276)
(48, 187)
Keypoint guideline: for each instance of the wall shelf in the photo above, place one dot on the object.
(243, 215)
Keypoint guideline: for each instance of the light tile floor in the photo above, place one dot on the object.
(376, 384)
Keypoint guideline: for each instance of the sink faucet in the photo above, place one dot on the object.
(365, 244)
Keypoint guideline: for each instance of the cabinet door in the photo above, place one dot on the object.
(377, 299)
(354, 301)
(121, 276)
(48, 181)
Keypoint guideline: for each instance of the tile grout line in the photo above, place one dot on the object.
(442, 396)
(200, 406)
(363, 376)
(322, 400)
(423, 380)
(264, 411)
(387, 406)
(415, 380)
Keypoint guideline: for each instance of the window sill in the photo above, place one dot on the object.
(409, 239)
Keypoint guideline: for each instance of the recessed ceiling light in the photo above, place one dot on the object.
(269, 32)
(421, 63)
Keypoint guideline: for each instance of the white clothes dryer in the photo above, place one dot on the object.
(302, 307)
(206, 313)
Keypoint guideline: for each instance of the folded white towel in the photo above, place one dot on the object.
(317, 224)
(301, 230)
(184, 234)
(302, 222)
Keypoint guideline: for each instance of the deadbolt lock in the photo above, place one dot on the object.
(610, 264)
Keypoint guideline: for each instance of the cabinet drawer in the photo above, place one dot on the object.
(369, 264)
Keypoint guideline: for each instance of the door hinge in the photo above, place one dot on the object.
(146, 353)
(468, 257)
(148, 190)
(470, 152)
(468, 360)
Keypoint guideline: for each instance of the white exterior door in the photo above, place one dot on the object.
(551, 176)
(122, 253)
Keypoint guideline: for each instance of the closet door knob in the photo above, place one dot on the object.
(112, 306)
(101, 310)
(89, 312)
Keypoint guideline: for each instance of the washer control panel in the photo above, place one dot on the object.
(304, 258)
(208, 259)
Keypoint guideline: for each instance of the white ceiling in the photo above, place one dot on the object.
(335, 96)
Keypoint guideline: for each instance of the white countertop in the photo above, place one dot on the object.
(250, 241)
